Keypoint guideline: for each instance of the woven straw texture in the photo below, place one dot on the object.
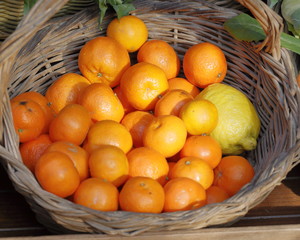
(11, 12)
(40, 50)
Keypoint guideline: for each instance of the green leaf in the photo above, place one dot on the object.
(290, 42)
(123, 9)
(245, 28)
(28, 4)
(103, 8)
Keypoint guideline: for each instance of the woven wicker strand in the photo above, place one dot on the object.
(40, 50)
(11, 12)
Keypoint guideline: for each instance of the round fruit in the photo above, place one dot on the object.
(183, 194)
(28, 118)
(57, 174)
(65, 90)
(239, 125)
(183, 84)
(204, 64)
(215, 194)
(76, 153)
(71, 124)
(103, 60)
(143, 84)
(126, 105)
(42, 101)
(199, 116)
(172, 102)
(232, 173)
(147, 162)
(130, 31)
(142, 194)
(194, 168)
(110, 163)
(97, 194)
(32, 150)
(204, 147)
(161, 54)
(108, 132)
(101, 102)
(165, 134)
(136, 123)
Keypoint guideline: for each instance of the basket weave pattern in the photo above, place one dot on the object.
(267, 79)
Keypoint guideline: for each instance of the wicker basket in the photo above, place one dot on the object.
(40, 50)
(11, 12)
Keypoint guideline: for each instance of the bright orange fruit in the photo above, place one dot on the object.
(204, 63)
(103, 60)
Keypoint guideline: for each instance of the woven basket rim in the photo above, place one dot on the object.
(16, 169)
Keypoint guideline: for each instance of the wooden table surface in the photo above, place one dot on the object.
(278, 216)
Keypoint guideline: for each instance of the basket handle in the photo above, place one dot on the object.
(271, 23)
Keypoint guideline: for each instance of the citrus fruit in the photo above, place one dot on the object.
(172, 102)
(142, 194)
(103, 60)
(215, 194)
(126, 105)
(142, 84)
(65, 90)
(108, 132)
(101, 102)
(57, 174)
(147, 162)
(232, 173)
(239, 125)
(194, 168)
(42, 101)
(204, 147)
(97, 194)
(28, 118)
(199, 116)
(71, 124)
(183, 84)
(136, 122)
(76, 153)
(32, 150)
(165, 134)
(183, 194)
(110, 163)
(161, 54)
(204, 63)
(130, 31)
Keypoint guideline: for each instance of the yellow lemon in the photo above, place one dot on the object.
(239, 125)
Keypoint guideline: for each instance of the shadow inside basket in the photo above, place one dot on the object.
(53, 51)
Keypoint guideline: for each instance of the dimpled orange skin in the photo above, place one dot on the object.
(142, 84)
(166, 134)
(161, 54)
(129, 30)
(71, 124)
(65, 90)
(103, 59)
(204, 64)
(57, 174)
(108, 132)
(101, 102)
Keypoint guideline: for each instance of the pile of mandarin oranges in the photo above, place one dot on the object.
(130, 135)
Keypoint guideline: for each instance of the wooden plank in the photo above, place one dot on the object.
(286, 232)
